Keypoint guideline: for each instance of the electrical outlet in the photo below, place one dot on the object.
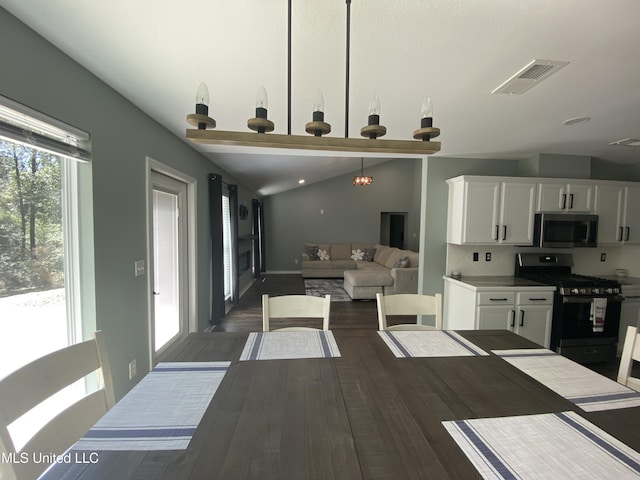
(603, 257)
(132, 369)
(295, 260)
(475, 256)
(487, 256)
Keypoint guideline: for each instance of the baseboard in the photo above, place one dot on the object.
(283, 272)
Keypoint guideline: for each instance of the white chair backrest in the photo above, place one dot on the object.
(630, 353)
(296, 306)
(35, 382)
(409, 304)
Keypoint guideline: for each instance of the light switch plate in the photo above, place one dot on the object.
(139, 267)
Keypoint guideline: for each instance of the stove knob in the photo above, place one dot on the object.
(574, 290)
(583, 291)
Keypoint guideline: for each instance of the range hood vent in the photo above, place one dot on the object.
(530, 75)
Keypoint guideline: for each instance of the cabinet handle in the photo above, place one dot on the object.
(498, 299)
(620, 233)
(504, 232)
(626, 238)
(564, 201)
(497, 232)
(542, 299)
(571, 201)
(522, 318)
(513, 318)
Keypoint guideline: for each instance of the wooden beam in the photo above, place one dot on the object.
(300, 142)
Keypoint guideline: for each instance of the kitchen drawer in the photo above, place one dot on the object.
(535, 298)
(496, 298)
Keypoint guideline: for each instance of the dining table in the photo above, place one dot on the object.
(365, 411)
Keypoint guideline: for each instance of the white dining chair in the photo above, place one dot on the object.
(295, 306)
(630, 353)
(37, 381)
(409, 304)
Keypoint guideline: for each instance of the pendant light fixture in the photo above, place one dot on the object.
(371, 143)
(362, 180)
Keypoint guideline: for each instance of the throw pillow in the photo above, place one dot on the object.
(312, 251)
(357, 255)
(368, 254)
(323, 254)
(402, 263)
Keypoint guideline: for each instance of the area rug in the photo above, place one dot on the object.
(319, 287)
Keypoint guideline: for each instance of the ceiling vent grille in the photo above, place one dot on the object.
(529, 76)
(627, 142)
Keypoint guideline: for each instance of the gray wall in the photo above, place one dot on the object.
(351, 214)
(37, 74)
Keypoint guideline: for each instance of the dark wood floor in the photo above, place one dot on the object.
(246, 316)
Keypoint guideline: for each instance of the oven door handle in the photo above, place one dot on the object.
(612, 299)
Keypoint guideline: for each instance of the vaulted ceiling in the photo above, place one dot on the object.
(155, 53)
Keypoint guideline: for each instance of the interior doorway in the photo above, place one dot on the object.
(393, 229)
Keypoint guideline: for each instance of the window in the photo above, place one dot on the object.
(41, 288)
(227, 247)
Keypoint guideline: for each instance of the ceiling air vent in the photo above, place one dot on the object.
(529, 76)
(627, 142)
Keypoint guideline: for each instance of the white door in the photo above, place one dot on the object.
(170, 282)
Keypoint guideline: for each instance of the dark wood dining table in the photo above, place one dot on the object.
(363, 415)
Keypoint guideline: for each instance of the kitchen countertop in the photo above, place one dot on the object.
(628, 281)
(499, 281)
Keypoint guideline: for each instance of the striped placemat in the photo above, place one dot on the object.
(161, 412)
(586, 388)
(290, 345)
(429, 343)
(551, 445)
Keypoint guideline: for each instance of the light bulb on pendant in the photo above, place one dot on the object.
(374, 110)
(202, 99)
(373, 129)
(427, 113)
(362, 180)
(318, 106)
(318, 126)
(201, 118)
(260, 123)
(426, 131)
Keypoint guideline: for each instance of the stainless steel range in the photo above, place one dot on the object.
(586, 310)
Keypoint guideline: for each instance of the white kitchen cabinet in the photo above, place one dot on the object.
(534, 311)
(616, 205)
(565, 197)
(490, 210)
(527, 311)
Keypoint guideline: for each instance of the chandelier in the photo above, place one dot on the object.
(205, 133)
(362, 180)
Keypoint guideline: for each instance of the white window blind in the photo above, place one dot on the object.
(21, 124)
(226, 245)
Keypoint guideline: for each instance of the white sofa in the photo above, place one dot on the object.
(367, 269)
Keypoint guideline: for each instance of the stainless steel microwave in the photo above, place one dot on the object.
(561, 230)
